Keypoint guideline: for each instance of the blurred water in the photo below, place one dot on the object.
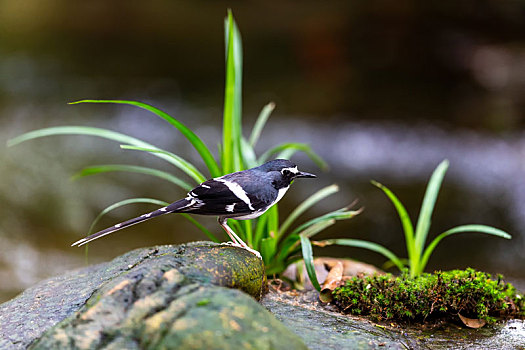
(484, 185)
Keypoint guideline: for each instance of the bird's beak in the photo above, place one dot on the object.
(303, 174)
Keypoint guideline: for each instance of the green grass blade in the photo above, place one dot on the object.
(229, 96)
(273, 220)
(97, 169)
(309, 261)
(232, 98)
(90, 131)
(265, 237)
(261, 122)
(286, 150)
(210, 235)
(197, 143)
(425, 215)
(316, 228)
(268, 249)
(238, 62)
(290, 243)
(408, 229)
(78, 130)
(357, 243)
(287, 246)
(248, 232)
(340, 214)
(123, 203)
(260, 230)
(459, 229)
(248, 154)
(275, 267)
(309, 202)
(180, 162)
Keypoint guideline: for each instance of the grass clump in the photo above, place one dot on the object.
(277, 238)
(441, 295)
(418, 252)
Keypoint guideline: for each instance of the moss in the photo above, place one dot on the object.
(444, 294)
(203, 302)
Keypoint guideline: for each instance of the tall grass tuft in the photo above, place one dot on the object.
(418, 255)
(279, 243)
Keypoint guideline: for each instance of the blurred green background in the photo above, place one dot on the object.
(382, 90)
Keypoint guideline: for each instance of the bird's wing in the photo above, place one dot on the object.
(223, 196)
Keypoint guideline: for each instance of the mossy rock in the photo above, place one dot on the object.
(225, 266)
(469, 294)
(160, 297)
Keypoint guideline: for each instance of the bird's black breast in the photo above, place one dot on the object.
(257, 185)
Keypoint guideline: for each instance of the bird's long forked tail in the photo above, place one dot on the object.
(174, 207)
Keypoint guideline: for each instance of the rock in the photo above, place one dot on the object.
(322, 329)
(161, 297)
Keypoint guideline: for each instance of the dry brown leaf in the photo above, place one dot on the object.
(332, 281)
(472, 322)
(297, 272)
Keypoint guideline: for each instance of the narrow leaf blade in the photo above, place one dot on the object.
(91, 131)
(180, 162)
(261, 122)
(340, 214)
(231, 156)
(308, 257)
(460, 229)
(408, 229)
(207, 232)
(309, 202)
(425, 215)
(286, 150)
(357, 243)
(97, 169)
(197, 143)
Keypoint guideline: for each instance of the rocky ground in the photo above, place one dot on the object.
(205, 296)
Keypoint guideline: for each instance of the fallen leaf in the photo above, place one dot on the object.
(332, 281)
(472, 322)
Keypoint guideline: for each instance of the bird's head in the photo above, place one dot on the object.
(286, 168)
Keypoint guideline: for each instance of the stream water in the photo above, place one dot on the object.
(47, 211)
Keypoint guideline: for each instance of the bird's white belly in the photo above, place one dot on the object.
(259, 212)
(280, 195)
(253, 215)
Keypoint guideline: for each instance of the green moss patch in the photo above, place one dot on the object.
(439, 295)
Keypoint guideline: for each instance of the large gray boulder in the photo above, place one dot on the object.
(160, 297)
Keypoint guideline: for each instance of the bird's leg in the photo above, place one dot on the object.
(233, 236)
(236, 239)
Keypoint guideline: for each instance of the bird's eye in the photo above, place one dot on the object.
(286, 172)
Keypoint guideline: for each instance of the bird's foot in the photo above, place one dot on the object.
(253, 251)
(235, 244)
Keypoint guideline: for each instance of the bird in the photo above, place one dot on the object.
(241, 195)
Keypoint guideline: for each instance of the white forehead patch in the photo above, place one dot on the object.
(292, 170)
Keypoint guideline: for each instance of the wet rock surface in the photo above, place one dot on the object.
(160, 297)
(202, 296)
(324, 327)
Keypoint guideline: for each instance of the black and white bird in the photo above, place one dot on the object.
(242, 195)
